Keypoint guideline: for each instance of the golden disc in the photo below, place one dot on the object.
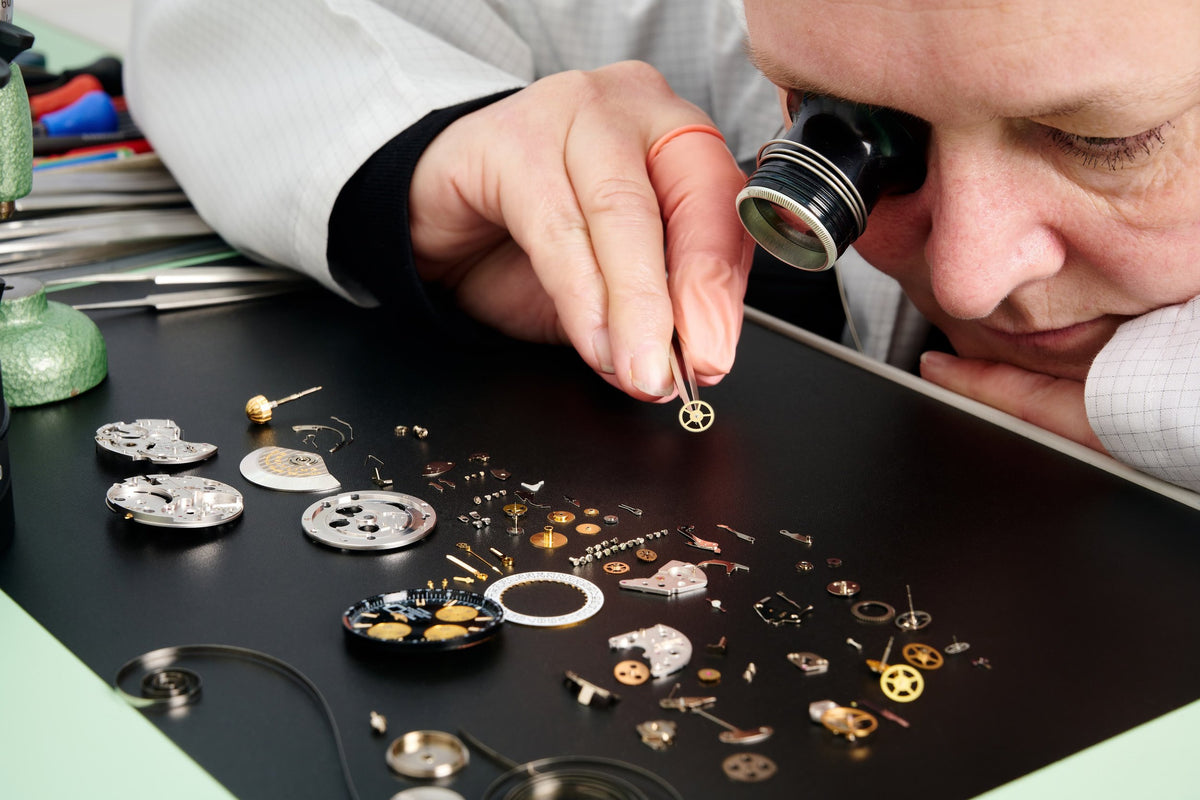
(548, 539)
(631, 673)
(389, 630)
(588, 528)
(436, 633)
(455, 613)
(561, 517)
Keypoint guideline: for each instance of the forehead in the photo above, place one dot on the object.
(1008, 58)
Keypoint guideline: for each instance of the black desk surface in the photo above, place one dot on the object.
(1076, 586)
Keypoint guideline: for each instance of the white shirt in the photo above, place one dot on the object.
(264, 110)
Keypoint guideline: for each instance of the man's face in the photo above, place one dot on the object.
(1063, 187)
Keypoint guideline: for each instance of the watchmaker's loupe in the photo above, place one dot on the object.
(809, 198)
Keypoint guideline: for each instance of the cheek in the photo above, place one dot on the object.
(894, 241)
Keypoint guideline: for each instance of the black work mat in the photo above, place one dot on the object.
(1077, 588)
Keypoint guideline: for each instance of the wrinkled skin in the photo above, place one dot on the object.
(1063, 188)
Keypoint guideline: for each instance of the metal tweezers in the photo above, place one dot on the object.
(687, 389)
(268, 282)
(695, 415)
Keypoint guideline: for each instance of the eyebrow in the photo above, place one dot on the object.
(786, 77)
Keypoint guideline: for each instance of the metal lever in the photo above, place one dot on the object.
(696, 541)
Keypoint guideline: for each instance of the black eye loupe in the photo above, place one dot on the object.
(809, 198)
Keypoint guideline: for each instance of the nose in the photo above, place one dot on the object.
(991, 228)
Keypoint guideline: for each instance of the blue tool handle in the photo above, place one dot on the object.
(94, 112)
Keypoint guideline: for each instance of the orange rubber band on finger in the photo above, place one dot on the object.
(669, 136)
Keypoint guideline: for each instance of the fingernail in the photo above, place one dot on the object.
(602, 346)
(935, 360)
(651, 371)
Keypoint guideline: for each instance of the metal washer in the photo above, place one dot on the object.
(427, 754)
(369, 520)
(873, 611)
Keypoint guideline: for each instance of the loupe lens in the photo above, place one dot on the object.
(802, 211)
(810, 196)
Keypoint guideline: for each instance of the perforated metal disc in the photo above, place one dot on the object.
(155, 440)
(185, 501)
(369, 520)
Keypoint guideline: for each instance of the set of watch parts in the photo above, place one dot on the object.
(451, 618)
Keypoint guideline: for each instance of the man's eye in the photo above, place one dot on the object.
(1098, 152)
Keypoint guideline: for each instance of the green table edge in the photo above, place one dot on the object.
(66, 733)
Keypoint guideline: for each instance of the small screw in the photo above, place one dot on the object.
(420, 432)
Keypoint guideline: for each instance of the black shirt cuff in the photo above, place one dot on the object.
(369, 245)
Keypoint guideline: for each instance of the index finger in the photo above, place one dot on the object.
(607, 169)
(708, 251)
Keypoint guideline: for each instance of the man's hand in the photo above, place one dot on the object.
(1055, 404)
(539, 213)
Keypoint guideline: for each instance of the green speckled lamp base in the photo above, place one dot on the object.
(16, 139)
(48, 351)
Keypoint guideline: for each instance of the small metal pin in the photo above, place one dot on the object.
(637, 512)
(466, 547)
(459, 562)
(912, 620)
(734, 735)
(879, 666)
